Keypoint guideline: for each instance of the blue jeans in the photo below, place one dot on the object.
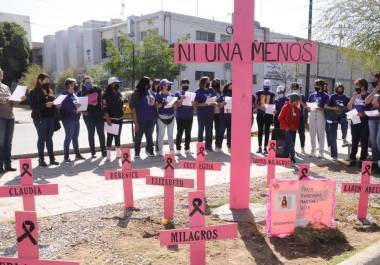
(374, 134)
(146, 127)
(225, 124)
(71, 135)
(290, 138)
(205, 124)
(93, 123)
(332, 136)
(6, 136)
(45, 131)
(344, 126)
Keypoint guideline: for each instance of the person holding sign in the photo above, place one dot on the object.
(204, 102)
(165, 109)
(44, 114)
(335, 112)
(93, 116)
(264, 120)
(225, 118)
(317, 121)
(184, 118)
(70, 119)
(295, 89)
(359, 129)
(279, 103)
(144, 113)
(113, 113)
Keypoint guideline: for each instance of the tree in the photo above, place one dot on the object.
(29, 77)
(14, 51)
(59, 80)
(97, 73)
(355, 26)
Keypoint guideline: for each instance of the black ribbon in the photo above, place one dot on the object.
(304, 173)
(125, 159)
(272, 147)
(366, 170)
(28, 232)
(197, 202)
(201, 151)
(25, 168)
(169, 162)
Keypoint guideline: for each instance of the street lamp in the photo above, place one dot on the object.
(310, 25)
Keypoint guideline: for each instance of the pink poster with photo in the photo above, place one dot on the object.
(298, 203)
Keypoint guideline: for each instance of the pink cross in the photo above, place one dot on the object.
(198, 233)
(272, 161)
(242, 51)
(169, 182)
(127, 174)
(364, 189)
(27, 243)
(27, 190)
(200, 165)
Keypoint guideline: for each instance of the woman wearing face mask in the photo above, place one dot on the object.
(154, 91)
(264, 120)
(113, 113)
(184, 118)
(43, 114)
(215, 84)
(205, 110)
(374, 122)
(336, 114)
(225, 117)
(142, 103)
(295, 90)
(359, 131)
(93, 117)
(70, 119)
(317, 121)
(279, 103)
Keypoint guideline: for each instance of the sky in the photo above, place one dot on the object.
(49, 16)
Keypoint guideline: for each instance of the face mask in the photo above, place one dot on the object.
(207, 85)
(87, 85)
(46, 86)
(266, 89)
(116, 86)
(317, 88)
(340, 92)
(185, 88)
(358, 90)
(169, 88)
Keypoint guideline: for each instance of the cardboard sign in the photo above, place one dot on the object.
(27, 243)
(127, 174)
(200, 165)
(298, 203)
(27, 190)
(198, 233)
(272, 161)
(365, 188)
(169, 182)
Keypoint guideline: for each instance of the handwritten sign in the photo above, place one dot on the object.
(127, 175)
(272, 161)
(27, 190)
(200, 165)
(298, 203)
(198, 233)
(169, 182)
(27, 243)
(365, 188)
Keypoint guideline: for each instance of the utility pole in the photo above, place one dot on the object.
(309, 38)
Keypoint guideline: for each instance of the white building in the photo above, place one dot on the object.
(90, 39)
(23, 21)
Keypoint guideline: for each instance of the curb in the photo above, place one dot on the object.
(368, 256)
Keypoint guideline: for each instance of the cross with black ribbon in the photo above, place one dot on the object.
(25, 168)
(197, 202)
(272, 147)
(126, 159)
(201, 151)
(169, 162)
(28, 232)
(366, 170)
(304, 173)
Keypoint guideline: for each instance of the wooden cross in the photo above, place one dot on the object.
(198, 233)
(242, 52)
(169, 182)
(127, 174)
(200, 165)
(364, 188)
(272, 161)
(27, 243)
(27, 190)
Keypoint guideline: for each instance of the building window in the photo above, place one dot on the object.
(199, 74)
(103, 44)
(205, 36)
(225, 38)
(254, 79)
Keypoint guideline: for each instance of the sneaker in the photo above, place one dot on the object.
(93, 155)
(334, 159)
(313, 154)
(9, 168)
(42, 163)
(137, 157)
(150, 155)
(67, 160)
(259, 151)
(321, 156)
(265, 151)
(159, 153)
(53, 162)
(188, 152)
(108, 155)
(79, 157)
(178, 152)
(345, 143)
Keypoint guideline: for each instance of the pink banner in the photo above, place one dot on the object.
(28, 191)
(258, 52)
(170, 182)
(27, 234)
(131, 174)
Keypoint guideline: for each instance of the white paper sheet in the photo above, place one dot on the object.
(228, 106)
(19, 92)
(59, 99)
(351, 113)
(211, 100)
(372, 113)
(189, 98)
(112, 129)
(312, 105)
(270, 108)
(355, 119)
(170, 102)
(83, 101)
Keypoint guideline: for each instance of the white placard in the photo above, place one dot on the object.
(59, 99)
(19, 92)
(372, 113)
(83, 101)
(228, 105)
(352, 113)
(189, 98)
(210, 100)
(269, 109)
(355, 119)
(170, 102)
(111, 129)
(312, 105)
